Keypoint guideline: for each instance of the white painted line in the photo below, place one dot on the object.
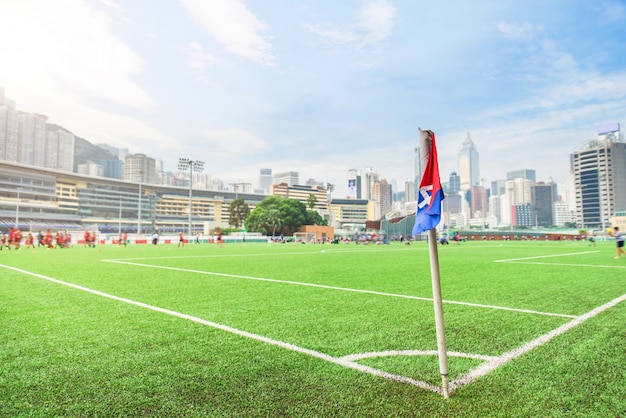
(492, 363)
(490, 366)
(343, 289)
(391, 353)
(257, 337)
(545, 256)
(599, 266)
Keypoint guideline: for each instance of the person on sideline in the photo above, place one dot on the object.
(619, 241)
(181, 240)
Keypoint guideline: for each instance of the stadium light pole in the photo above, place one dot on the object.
(119, 228)
(193, 166)
(139, 208)
(17, 208)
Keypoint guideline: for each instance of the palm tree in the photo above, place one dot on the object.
(273, 220)
(311, 201)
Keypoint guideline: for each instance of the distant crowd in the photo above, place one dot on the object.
(15, 239)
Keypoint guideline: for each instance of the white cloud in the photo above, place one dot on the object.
(519, 32)
(613, 11)
(68, 47)
(232, 140)
(199, 61)
(373, 24)
(231, 24)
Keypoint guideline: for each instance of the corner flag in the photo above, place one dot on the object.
(430, 194)
(427, 217)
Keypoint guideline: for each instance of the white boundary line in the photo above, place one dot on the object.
(545, 256)
(523, 260)
(287, 346)
(344, 289)
(491, 364)
(568, 265)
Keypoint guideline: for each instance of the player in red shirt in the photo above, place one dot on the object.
(48, 239)
(30, 240)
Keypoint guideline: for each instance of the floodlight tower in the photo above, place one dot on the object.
(17, 208)
(193, 166)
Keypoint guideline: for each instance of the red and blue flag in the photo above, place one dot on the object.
(430, 194)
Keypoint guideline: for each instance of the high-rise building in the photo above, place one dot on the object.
(518, 193)
(90, 169)
(523, 174)
(599, 170)
(291, 178)
(542, 201)
(455, 183)
(8, 128)
(382, 196)
(302, 193)
(498, 187)
(409, 191)
(140, 168)
(240, 187)
(265, 179)
(354, 184)
(113, 168)
(371, 177)
(562, 213)
(417, 165)
(522, 215)
(120, 153)
(59, 149)
(479, 202)
(469, 169)
(27, 138)
(31, 137)
(494, 209)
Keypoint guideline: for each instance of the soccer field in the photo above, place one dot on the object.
(533, 329)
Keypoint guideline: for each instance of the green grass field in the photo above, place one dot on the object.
(532, 328)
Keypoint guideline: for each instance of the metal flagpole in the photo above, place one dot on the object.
(438, 304)
(427, 217)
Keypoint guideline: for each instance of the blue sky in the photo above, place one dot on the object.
(322, 86)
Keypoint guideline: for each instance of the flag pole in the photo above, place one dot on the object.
(427, 216)
(438, 304)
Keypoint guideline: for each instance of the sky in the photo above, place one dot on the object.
(322, 86)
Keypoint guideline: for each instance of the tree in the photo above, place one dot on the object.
(238, 212)
(293, 214)
(272, 220)
(276, 214)
(311, 201)
(314, 218)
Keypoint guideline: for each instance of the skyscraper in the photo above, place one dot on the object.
(265, 179)
(382, 196)
(455, 183)
(354, 184)
(524, 174)
(371, 177)
(469, 169)
(292, 178)
(31, 136)
(542, 196)
(59, 149)
(409, 191)
(418, 170)
(518, 200)
(141, 169)
(599, 170)
(8, 128)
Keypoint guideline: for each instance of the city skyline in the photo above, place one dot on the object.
(321, 88)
